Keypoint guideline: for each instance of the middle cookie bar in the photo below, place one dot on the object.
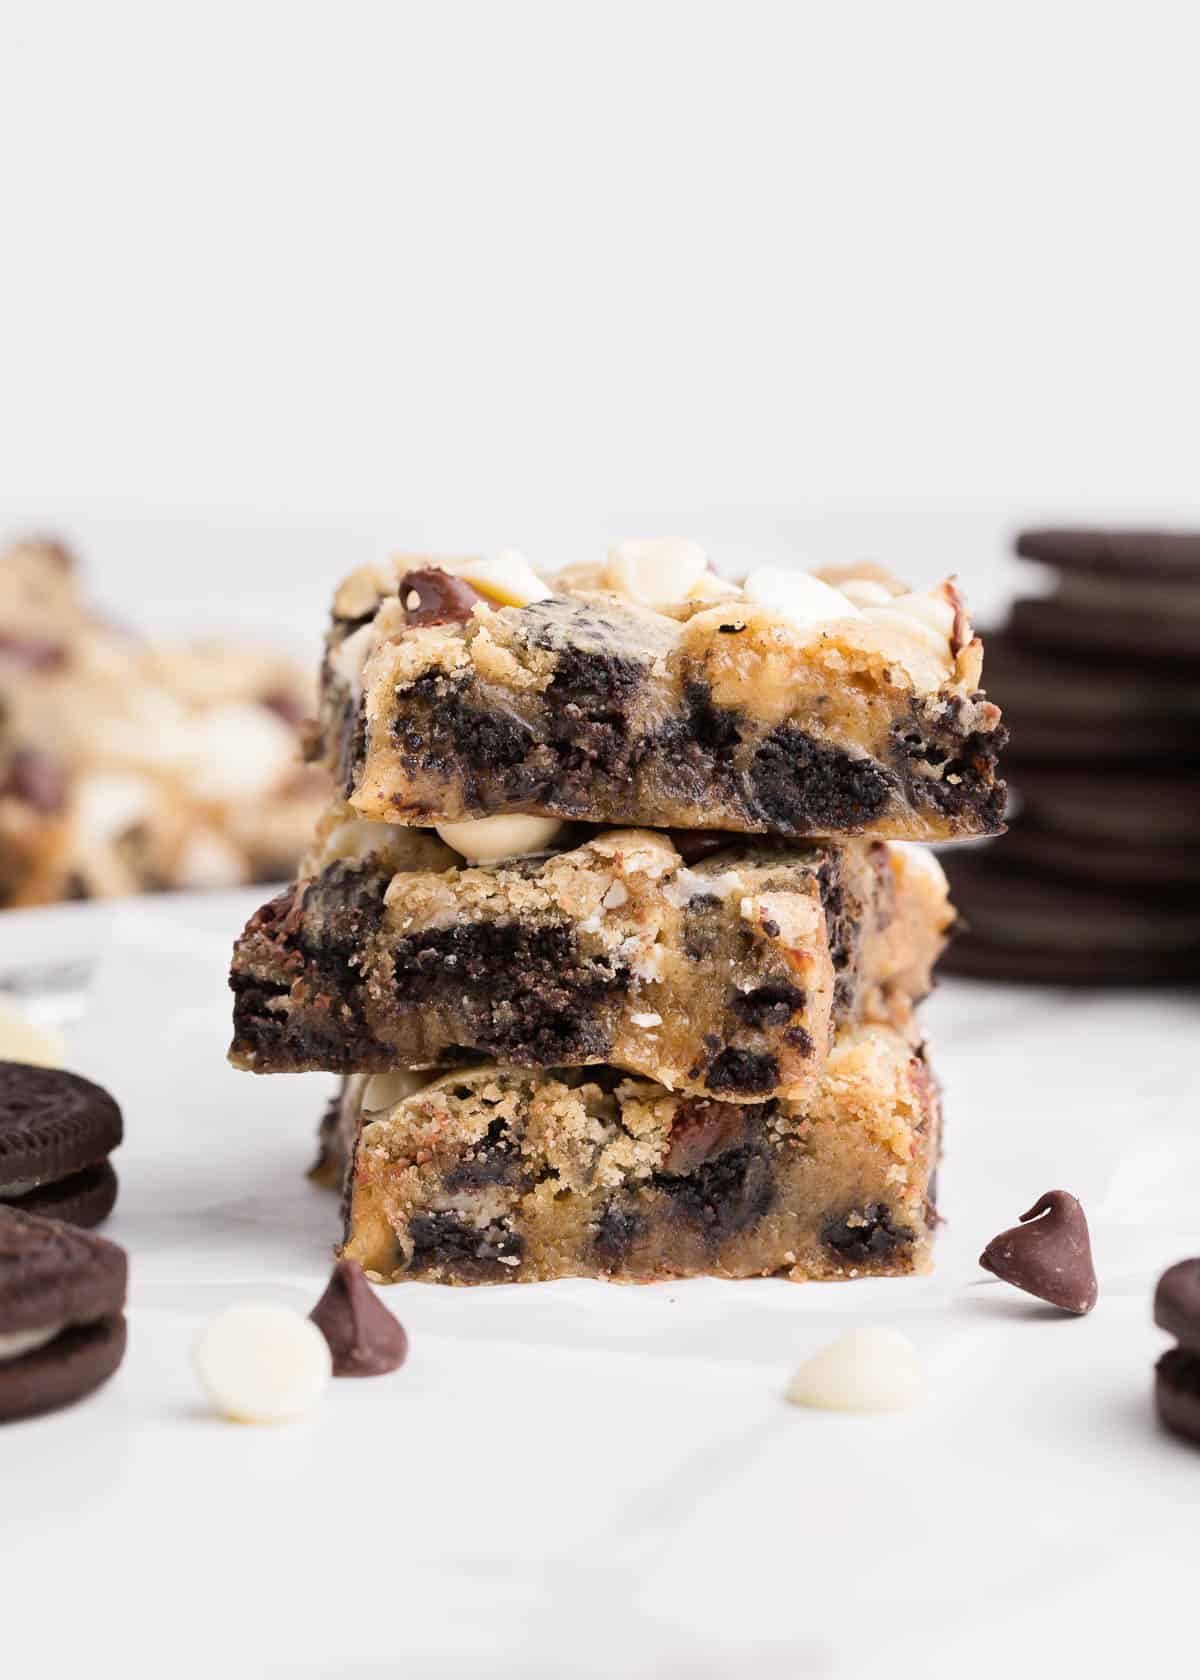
(723, 977)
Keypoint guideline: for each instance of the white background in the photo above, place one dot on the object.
(281, 285)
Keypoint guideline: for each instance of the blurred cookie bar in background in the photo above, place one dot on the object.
(127, 766)
(1098, 879)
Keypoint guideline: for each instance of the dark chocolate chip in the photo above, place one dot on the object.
(702, 1130)
(1177, 1303)
(365, 1339)
(441, 598)
(693, 844)
(1049, 1254)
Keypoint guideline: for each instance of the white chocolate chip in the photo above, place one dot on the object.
(242, 751)
(208, 859)
(385, 1090)
(653, 570)
(616, 895)
(927, 616)
(23, 1041)
(17, 1342)
(507, 578)
(865, 1371)
(108, 803)
(495, 839)
(262, 1364)
(799, 597)
(646, 1018)
(866, 592)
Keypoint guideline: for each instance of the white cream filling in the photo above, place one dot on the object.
(16, 1342)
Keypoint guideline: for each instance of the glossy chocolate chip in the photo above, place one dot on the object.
(1049, 1254)
(702, 1130)
(432, 596)
(365, 1339)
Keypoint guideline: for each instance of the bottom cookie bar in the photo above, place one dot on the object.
(506, 1175)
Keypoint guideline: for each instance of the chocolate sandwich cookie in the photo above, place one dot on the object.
(62, 1302)
(1014, 927)
(1177, 1374)
(1065, 707)
(56, 1133)
(1135, 593)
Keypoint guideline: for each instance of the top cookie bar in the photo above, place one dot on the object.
(649, 691)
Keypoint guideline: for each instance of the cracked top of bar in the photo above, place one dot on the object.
(712, 711)
(505, 1175)
(726, 977)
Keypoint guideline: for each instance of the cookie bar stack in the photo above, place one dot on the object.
(613, 933)
(1098, 879)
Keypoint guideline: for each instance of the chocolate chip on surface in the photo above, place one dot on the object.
(432, 596)
(365, 1339)
(1049, 1254)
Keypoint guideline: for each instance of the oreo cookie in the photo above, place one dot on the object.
(1134, 593)
(1066, 707)
(1177, 1374)
(1018, 927)
(62, 1303)
(56, 1133)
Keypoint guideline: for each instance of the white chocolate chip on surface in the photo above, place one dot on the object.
(22, 1040)
(495, 839)
(261, 1364)
(646, 1018)
(799, 597)
(864, 1371)
(506, 578)
(652, 570)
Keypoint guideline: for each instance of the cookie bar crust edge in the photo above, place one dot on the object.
(501, 1176)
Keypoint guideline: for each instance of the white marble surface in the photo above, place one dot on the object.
(574, 1479)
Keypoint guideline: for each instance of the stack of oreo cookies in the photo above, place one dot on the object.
(57, 1131)
(1098, 879)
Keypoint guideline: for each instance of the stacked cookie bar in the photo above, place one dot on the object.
(616, 929)
(1098, 879)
